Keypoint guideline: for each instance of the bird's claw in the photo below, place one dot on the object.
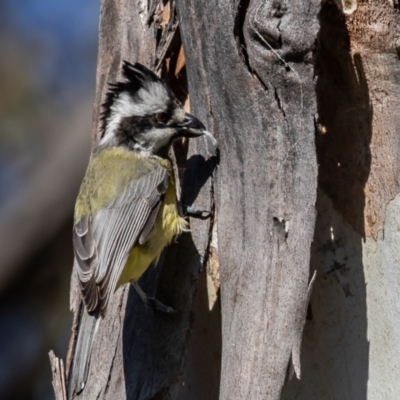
(155, 304)
(152, 302)
(189, 211)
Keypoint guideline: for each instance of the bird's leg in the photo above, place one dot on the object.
(189, 211)
(152, 302)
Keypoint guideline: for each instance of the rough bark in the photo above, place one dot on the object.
(138, 354)
(59, 384)
(254, 65)
(350, 348)
(279, 84)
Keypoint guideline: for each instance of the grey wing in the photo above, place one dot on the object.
(102, 243)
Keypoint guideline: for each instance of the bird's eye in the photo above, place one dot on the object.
(162, 117)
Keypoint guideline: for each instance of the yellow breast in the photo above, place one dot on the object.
(168, 225)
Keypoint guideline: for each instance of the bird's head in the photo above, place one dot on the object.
(143, 114)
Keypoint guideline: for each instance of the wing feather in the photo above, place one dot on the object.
(102, 242)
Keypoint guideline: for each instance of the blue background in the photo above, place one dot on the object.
(48, 51)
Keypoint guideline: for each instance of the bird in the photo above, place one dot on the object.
(127, 209)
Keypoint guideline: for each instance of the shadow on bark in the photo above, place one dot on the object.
(154, 343)
(201, 375)
(335, 348)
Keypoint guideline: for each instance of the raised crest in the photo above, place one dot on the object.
(137, 76)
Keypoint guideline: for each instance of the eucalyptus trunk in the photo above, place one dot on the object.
(303, 98)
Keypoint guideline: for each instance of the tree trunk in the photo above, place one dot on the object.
(281, 85)
(253, 63)
(351, 348)
(138, 354)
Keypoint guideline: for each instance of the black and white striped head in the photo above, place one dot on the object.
(143, 114)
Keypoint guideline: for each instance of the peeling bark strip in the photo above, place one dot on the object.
(254, 64)
(57, 369)
(138, 354)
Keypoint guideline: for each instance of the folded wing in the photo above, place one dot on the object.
(102, 242)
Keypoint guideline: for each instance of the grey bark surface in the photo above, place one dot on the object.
(59, 384)
(254, 65)
(350, 348)
(138, 353)
(281, 85)
(251, 79)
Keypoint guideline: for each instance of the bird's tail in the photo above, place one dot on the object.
(83, 349)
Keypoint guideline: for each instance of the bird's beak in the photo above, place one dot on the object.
(191, 127)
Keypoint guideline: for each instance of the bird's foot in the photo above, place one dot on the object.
(193, 212)
(156, 304)
(151, 302)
